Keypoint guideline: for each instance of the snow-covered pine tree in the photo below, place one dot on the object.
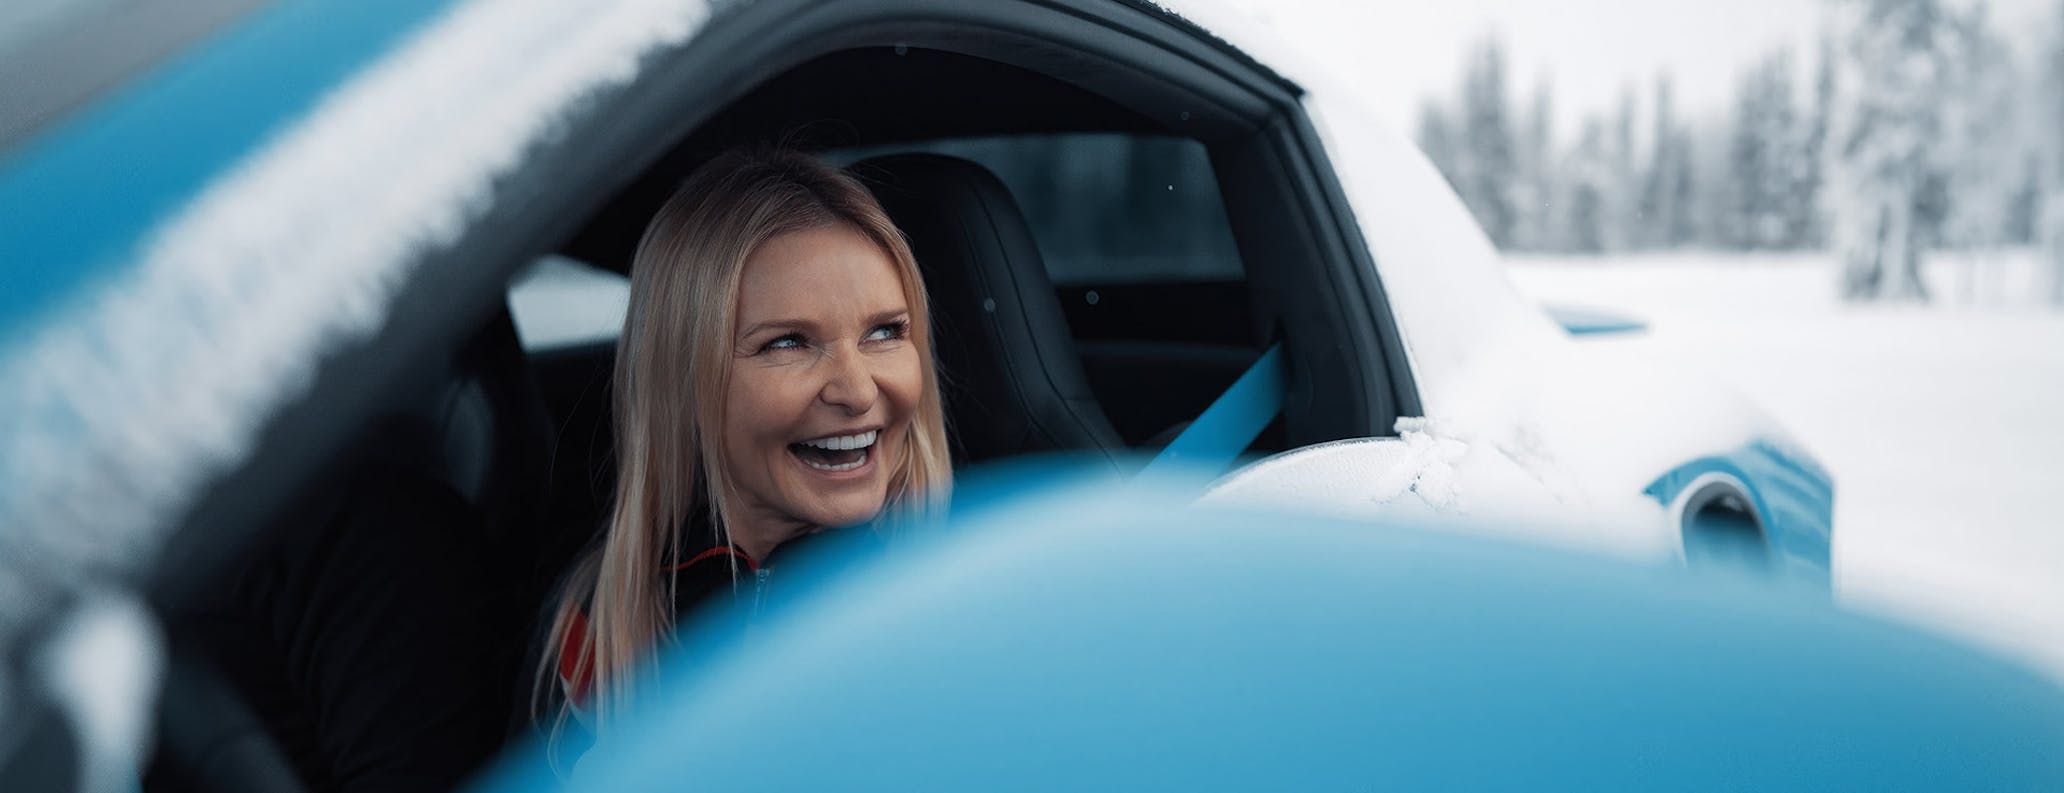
(1489, 166)
(1809, 226)
(1884, 140)
(1763, 158)
(1711, 183)
(1688, 214)
(1436, 137)
(2052, 109)
(1535, 196)
(1983, 142)
(1623, 214)
(1658, 203)
(1590, 183)
(2024, 212)
(1744, 160)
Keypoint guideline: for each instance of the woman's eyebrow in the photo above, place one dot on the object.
(775, 324)
(806, 326)
(890, 315)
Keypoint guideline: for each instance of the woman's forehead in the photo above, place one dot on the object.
(818, 274)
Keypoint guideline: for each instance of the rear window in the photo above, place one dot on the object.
(1106, 208)
(559, 302)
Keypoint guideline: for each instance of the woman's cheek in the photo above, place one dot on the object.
(769, 401)
(906, 381)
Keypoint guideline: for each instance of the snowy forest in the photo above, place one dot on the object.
(1914, 126)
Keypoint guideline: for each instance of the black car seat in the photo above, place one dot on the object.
(373, 636)
(486, 434)
(496, 432)
(1009, 371)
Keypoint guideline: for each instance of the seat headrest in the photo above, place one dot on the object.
(481, 430)
(1012, 378)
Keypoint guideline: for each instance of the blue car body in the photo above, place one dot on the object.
(174, 276)
(1111, 636)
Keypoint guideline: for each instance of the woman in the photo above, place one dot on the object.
(774, 379)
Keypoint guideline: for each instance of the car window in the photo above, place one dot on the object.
(1107, 208)
(1132, 231)
(1136, 239)
(559, 302)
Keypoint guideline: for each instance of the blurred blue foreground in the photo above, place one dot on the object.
(1090, 634)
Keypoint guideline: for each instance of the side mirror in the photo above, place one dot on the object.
(1360, 478)
(1593, 322)
(1424, 475)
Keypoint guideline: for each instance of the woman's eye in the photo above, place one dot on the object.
(889, 332)
(788, 342)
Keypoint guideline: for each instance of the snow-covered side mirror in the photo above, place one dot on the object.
(1582, 321)
(1359, 478)
(1427, 474)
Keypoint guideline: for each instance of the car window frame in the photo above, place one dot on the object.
(1347, 379)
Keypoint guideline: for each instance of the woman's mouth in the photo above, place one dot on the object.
(836, 453)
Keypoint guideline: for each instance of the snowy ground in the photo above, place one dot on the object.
(1943, 424)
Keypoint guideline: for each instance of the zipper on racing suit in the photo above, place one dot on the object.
(759, 596)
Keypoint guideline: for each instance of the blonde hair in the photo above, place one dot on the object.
(672, 368)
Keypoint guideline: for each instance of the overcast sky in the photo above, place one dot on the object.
(1402, 51)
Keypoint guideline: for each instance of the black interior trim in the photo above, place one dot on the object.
(1215, 312)
(1327, 399)
(210, 737)
(1355, 273)
(1180, 86)
(1149, 387)
(576, 383)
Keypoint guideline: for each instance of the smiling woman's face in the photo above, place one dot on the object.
(824, 378)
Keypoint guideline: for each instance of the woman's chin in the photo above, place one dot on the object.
(829, 507)
(849, 512)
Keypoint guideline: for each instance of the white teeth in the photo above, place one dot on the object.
(841, 466)
(844, 442)
(864, 442)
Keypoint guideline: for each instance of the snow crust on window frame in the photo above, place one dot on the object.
(160, 379)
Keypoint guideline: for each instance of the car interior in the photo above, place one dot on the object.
(1088, 292)
(1099, 275)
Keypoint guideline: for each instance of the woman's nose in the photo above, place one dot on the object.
(850, 385)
